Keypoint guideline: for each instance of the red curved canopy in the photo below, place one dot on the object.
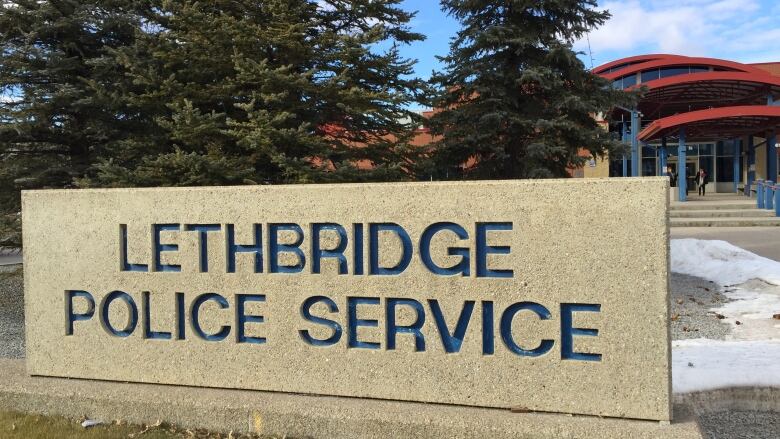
(714, 123)
(629, 60)
(698, 91)
(677, 60)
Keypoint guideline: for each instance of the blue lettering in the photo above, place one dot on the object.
(132, 309)
(568, 331)
(452, 341)
(488, 328)
(373, 248)
(195, 313)
(73, 317)
(358, 248)
(483, 250)
(124, 264)
(276, 248)
(233, 248)
(180, 316)
(159, 247)
(242, 318)
(506, 329)
(461, 267)
(353, 322)
(203, 233)
(306, 313)
(318, 253)
(148, 333)
(393, 329)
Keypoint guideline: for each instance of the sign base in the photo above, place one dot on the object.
(279, 414)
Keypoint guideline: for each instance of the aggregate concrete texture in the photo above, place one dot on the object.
(72, 241)
(308, 416)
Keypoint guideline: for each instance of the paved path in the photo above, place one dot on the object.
(10, 256)
(764, 241)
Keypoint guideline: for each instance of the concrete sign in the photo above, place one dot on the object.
(543, 295)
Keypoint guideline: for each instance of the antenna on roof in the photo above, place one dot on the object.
(590, 52)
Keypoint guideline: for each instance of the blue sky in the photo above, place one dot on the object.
(739, 30)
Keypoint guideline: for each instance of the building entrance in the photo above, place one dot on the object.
(691, 167)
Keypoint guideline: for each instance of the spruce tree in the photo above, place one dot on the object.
(54, 55)
(174, 93)
(516, 101)
(274, 91)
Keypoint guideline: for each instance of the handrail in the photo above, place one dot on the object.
(770, 196)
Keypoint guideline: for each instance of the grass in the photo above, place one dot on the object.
(19, 425)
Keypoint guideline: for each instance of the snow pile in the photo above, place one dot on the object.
(752, 355)
(721, 262)
(703, 364)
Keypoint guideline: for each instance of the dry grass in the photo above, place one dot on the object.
(18, 425)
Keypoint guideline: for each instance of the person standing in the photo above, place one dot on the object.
(701, 180)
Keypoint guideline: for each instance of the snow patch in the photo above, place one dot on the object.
(753, 310)
(703, 364)
(721, 262)
(751, 356)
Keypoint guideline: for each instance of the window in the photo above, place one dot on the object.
(725, 148)
(618, 67)
(629, 81)
(707, 163)
(650, 75)
(705, 149)
(673, 71)
(616, 168)
(648, 167)
(725, 161)
(699, 69)
(725, 169)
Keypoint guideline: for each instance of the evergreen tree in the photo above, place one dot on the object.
(53, 122)
(516, 100)
(246, 91)
(162, 93)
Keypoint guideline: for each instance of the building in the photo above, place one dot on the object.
(697, 113)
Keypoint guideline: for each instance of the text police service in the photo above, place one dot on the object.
(451, 339)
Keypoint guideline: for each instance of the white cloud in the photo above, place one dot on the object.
(742, 30)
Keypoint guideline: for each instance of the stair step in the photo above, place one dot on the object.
(725, 222)
(721, 213)
(713, 205)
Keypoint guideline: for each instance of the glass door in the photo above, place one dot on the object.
(691, 167)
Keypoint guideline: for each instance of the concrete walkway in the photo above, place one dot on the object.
(10, 256)
(763, 241)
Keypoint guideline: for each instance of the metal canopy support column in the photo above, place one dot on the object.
(737, 168)
(682, 179)
(634, 143)
(750, 151)
(624, 137)
(663, 156)
(771, 150)
(771, 156)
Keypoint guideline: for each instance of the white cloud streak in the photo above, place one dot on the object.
(742, 30)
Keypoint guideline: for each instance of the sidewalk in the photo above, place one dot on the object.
(10, 256)
(763, 241)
